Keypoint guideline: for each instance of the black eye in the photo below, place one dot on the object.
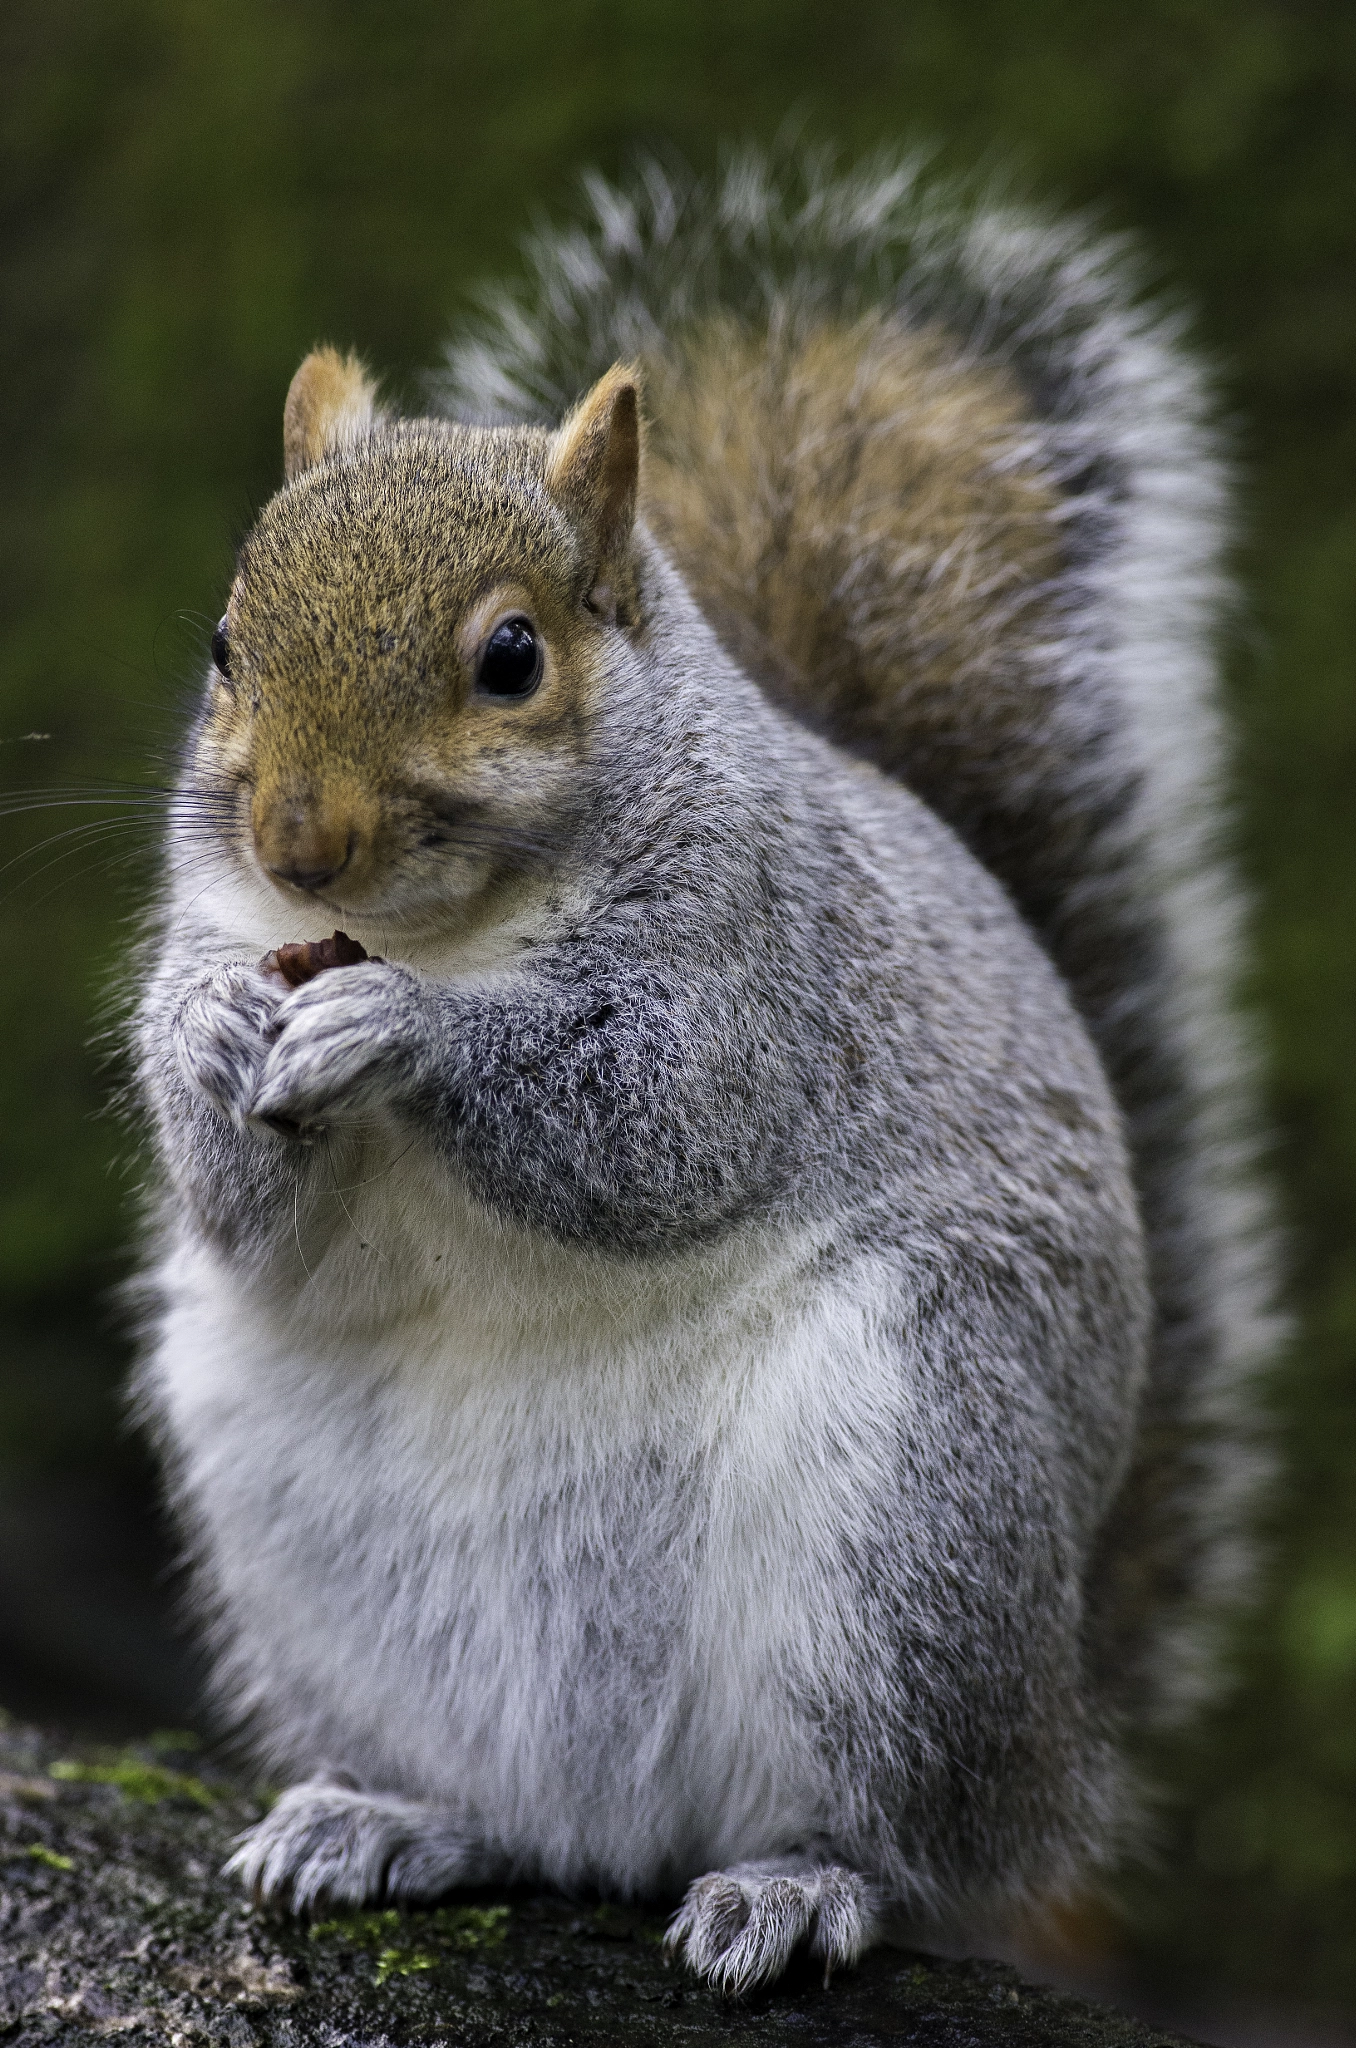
(221, 649)
(511, 663)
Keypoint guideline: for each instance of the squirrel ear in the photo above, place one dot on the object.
(330, 404)
(595, 472)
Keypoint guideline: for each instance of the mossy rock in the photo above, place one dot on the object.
(115, 1920)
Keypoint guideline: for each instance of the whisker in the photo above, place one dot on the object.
(186, 908)
(296, 1230)
(98, 828)
(32, 897)
(373, 1180)
(492, 840)
(93, 785)
(17, 806)
(26, 881)
(138, 818)
(366, 1243)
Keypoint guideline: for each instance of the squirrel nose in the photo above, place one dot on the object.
(302, 877)
(307, 850)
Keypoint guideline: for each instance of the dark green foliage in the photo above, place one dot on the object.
(194, 194)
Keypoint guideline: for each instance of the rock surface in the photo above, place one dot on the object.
(115, 1921)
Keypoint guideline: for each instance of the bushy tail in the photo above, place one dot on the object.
(946, 485)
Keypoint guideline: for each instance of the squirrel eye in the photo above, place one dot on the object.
(221, 649)
(511, 664)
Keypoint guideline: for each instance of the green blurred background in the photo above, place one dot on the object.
(193, 193)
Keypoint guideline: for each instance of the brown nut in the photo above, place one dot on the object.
(301, 960)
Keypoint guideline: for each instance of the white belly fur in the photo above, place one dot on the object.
(535, 1534)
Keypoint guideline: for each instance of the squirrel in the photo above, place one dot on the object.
(716, 1367)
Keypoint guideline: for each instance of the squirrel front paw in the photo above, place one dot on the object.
(222, 1030)
(346, 1044)
(738, 1928)
(326, 1844)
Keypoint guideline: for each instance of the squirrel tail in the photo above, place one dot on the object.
(946, 483)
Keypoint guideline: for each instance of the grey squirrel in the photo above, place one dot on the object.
(715, 1367)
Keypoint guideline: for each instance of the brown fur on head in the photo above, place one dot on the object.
(373, 764)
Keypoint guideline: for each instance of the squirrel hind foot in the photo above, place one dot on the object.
(738, 1929)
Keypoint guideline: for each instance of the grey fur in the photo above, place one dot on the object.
(1103, 813)
(670, 1410)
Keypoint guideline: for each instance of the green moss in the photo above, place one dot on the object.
(466, 1927)
(145, 1783)
(359, 1930)
(173, 1742)
(455, 1927)
(392, 1935)
(50, 1857)
(402, 1962)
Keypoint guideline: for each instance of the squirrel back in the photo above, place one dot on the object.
(948, 488)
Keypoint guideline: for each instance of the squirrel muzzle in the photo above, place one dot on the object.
(313, 840)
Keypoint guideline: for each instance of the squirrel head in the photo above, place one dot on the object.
(421, 620)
